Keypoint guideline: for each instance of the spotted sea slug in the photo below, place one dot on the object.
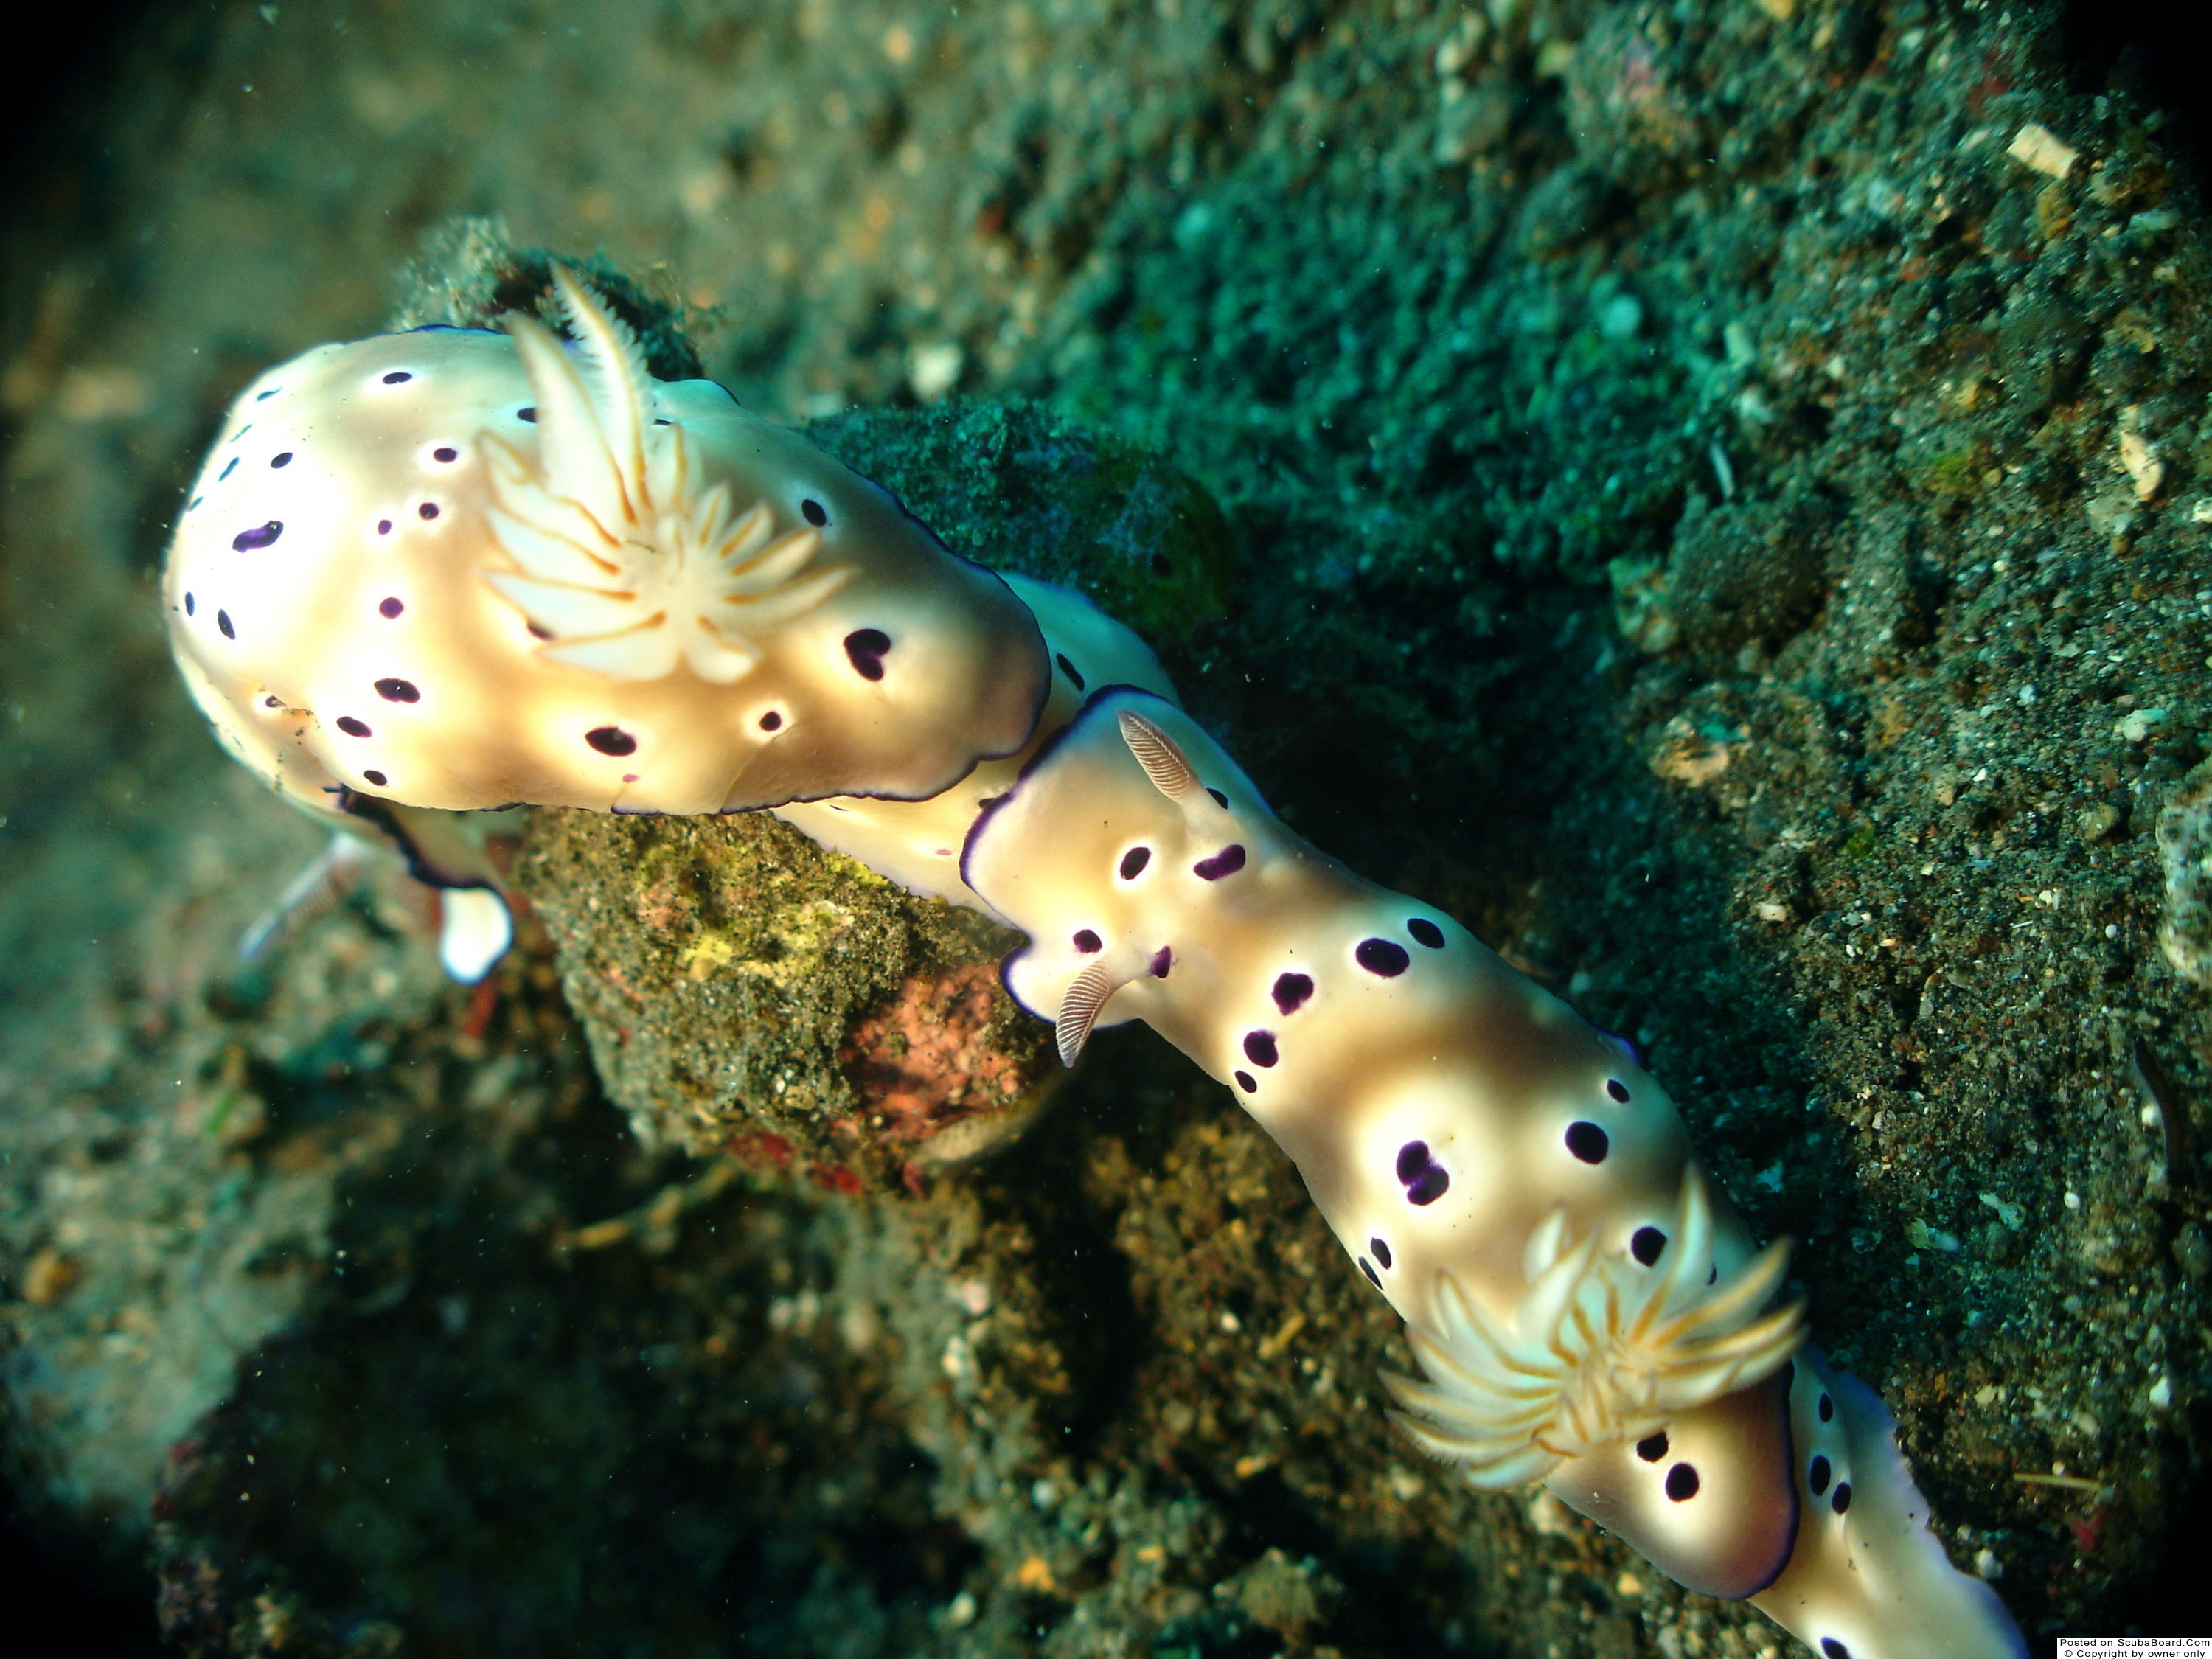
(427, 577)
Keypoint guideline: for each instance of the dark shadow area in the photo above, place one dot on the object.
(2174, 1602)
(2155, 49)
(70, 55)
(59, 63)
(106, 1606)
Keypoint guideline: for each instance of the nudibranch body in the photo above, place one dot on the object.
(457, 569)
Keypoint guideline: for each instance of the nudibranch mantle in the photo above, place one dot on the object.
(426, 575)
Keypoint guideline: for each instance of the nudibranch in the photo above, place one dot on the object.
(427, 577)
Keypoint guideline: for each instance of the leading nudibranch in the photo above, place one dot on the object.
(428, 574)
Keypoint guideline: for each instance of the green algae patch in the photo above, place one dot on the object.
(1018, 487)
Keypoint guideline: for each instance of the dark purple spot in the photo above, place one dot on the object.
(1163, 959)
(1227, 862)
(1827, 1409)
(1291, 991)
(264, 397)
(1587, 1141)
(1681, 1483)
(1646, 1244)
(428, 510)
(1219, 799)
(631, 777)
(384, 526)
(538, 630)
(1068, 669)
(282, 459)
(610, 740)
(270, 703)
(1087, 942)
(770, 721)
(1260, 1048)
(390, 609)
(1423, 1178)
(376, 778)
(1425, 931)
(527, 414)
(812, 511)
(1831, 1648)
(1133, 862)
(1841, 1500)
(397, 376)
(1381, 1250)
(445, 452)
(229, 467)
(1652, 1447)
(1367, 1268)
(1617, 1089)
(188, 605)
(352, 727)
(1382, 956)
(1248, 1083)
(398, 691)
(223, 621)
(865, 647)
(1816, 1475)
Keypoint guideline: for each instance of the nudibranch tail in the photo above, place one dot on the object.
(474, 930)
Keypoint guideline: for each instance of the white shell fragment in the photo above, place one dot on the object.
(460, 569)
(2037, 147)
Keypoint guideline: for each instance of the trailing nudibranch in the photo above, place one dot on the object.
(428, 574)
